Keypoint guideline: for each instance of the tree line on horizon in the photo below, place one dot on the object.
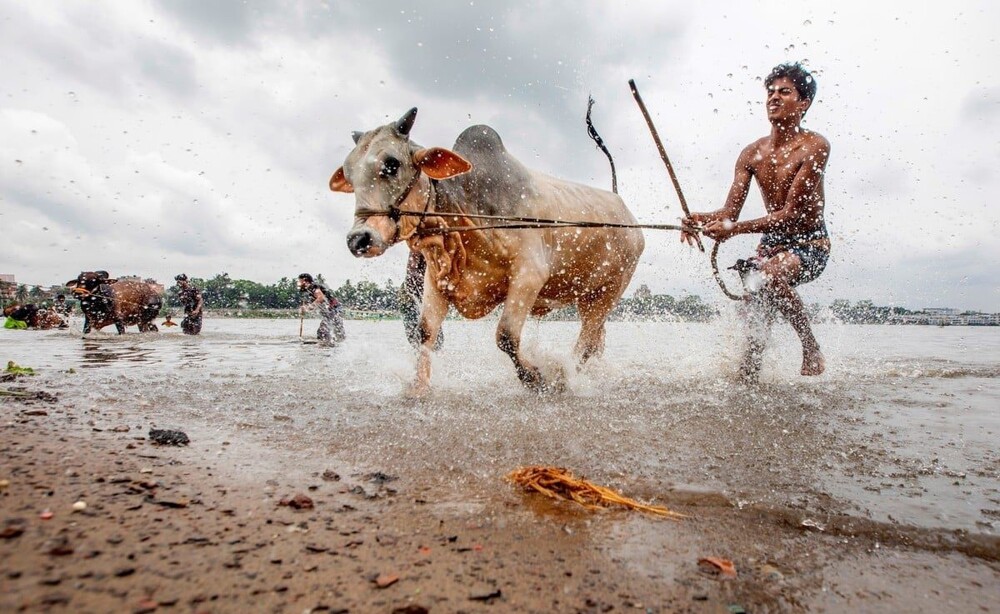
(224, 293)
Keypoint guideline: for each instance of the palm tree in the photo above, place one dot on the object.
(22, 294)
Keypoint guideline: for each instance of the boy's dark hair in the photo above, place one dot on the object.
(804, 82)
(306, 277)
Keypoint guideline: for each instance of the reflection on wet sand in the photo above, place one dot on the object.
(193, 352)
(97, 354)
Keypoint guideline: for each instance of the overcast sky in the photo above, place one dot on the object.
(153, 138)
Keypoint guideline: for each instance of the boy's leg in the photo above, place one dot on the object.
(779, 272)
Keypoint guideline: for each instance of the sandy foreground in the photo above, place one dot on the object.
(191, 529)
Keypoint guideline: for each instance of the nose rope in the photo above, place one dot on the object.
(394, 212)
(521, 223)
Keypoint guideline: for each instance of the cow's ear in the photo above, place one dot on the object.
(440, 163)
(72, 283)
(339, 183)
(111, 281)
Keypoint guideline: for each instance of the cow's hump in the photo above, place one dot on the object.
(498, 182)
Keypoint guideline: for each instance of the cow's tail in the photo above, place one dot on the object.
(600, 143)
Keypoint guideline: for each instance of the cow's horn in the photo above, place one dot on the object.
(406, 122)
(357, 136)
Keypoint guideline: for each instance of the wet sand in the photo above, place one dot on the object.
(188, 529)
(872, 489)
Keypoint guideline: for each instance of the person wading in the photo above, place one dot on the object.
(317, 296)
(789, 165)
(191, 299)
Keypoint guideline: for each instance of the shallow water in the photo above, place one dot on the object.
(901, 428)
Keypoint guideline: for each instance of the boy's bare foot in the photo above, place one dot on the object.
(813, 362)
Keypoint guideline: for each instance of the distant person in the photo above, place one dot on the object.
(411, 296)
(61, 307)
(319, 297)
(169, 322)
(193, 304)
(789, 165)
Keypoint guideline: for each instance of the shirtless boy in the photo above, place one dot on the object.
(788, 165)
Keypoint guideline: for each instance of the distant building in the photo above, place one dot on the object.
(8, 287)
(940, 311)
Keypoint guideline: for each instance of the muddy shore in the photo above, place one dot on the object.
(192, 529)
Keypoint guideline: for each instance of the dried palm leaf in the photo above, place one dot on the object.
(559, 483)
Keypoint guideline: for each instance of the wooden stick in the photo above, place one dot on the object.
(663, 156)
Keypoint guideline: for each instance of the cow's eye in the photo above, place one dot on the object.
(389, 167)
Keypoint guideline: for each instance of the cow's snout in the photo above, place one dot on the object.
(365, 243)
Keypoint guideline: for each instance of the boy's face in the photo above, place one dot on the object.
(783, 101)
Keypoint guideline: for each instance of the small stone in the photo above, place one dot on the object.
(79, 506)
(386, 580)
(164, 437)
(771, 572)
(298, 502)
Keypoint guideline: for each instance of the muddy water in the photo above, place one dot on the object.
(902, 428)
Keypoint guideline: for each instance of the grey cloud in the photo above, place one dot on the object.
(226, 21)
(981, 105)
(536, 66)
(172, 68)
(888, 179)
(87, 49)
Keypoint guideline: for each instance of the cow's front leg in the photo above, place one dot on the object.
(524, 288)
(432, 312)
(120, 326)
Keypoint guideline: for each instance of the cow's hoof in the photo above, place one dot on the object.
(534, 381)
(418, 390)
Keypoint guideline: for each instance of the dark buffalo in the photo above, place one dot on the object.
(107, 301)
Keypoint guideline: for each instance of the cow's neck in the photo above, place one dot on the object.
(451, 256)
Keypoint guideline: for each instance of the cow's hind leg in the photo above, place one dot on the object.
(593, 314)
(523, 292)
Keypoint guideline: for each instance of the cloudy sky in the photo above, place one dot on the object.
(157, 137)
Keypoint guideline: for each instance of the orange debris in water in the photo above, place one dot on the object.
(559, 483)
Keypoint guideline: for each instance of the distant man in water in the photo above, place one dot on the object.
(789, 165)
(319, 297)
(193, 304)
(61, 307)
